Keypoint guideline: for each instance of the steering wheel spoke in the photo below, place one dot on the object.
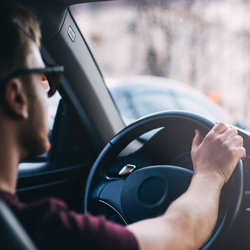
(111, 194)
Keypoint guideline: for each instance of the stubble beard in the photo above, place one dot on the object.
(35, 133)
(34, 141)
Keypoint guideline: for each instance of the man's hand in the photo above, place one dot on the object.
(218, 153)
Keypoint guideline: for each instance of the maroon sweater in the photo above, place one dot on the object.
(52, 225)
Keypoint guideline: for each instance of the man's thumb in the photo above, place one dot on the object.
(197, 139)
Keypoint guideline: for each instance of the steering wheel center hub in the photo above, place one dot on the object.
(151, 197)
(149, 191)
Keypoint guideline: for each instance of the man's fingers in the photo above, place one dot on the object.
(231, 132)
(197, 140)
(237, 141)
(242, 153)
(219, 128)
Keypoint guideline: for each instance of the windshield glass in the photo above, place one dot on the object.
(172, 55)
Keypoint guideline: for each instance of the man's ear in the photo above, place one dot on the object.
(16, 99)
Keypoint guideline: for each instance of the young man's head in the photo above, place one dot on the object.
(23, 104)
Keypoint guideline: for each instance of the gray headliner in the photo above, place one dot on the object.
(51, 13)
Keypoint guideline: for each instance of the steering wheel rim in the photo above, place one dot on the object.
(97, 179)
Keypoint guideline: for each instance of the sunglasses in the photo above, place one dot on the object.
(51, 77)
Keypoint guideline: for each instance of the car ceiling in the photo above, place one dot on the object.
(51, 13)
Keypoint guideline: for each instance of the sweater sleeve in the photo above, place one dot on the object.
(65, 229)
(51, 225)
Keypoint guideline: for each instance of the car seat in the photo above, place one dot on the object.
(12, 234)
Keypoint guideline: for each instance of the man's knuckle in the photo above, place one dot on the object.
(243, 151)
(226, 147)
(236, 140)
(222, 125)
(233, 152)
(219, 139)
(235, 131)
(240, 139)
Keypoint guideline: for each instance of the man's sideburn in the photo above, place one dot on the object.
(34, 136)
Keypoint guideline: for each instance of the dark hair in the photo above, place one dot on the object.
(19, 27)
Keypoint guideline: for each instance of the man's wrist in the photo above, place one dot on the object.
(215, 179)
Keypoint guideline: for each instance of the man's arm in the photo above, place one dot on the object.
(189, 221)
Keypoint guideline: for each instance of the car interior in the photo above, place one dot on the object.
(97, 164)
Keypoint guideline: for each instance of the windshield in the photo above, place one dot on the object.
(172, 55)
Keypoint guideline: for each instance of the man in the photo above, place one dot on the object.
(188, 222)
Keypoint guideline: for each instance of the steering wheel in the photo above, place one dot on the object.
(147, 192)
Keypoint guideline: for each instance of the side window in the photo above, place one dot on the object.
(52, 108)
(124, 106)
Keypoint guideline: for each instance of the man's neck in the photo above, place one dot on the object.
(9, 160)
